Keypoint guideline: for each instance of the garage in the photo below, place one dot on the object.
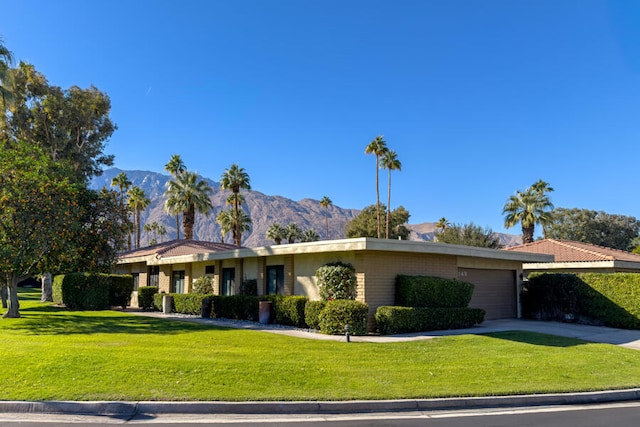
(495, 291)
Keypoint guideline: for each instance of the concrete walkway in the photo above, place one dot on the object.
(621, 337)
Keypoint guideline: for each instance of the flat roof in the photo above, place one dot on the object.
(342, 245)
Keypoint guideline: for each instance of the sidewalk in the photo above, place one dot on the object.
(622, 337)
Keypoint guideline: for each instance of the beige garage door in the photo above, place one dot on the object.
(495, 291)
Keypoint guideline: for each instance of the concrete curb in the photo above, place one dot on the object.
(132, 409)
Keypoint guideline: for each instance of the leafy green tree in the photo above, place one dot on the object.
(310, 235)
(325, 203)
(276, 232)
(138, 201)
(71, 125)
(38, 216)
(187, 194)
(364, 224)
(293, 232)
(470, 235)
(6, 59)
(529, 207)
(235, 179)
(175, 166)
(389, 161)
(377, 147)
(595, 227)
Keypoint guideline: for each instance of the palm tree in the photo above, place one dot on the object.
(225, 220)
(529, 207)
(242, 223)
(175, 166)
(6, 59)
(276, 232)
(138, 201)
(148, 228)
(235, 178)
(186, 194)
(389, 161)
(162, 231)
(122, 182)
(310, 235)
(325, 203)
(377, 147)
(293, 232)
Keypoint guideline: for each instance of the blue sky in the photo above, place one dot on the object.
(478, 98)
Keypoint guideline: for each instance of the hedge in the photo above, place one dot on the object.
(312, 312)
(189, 303)
(145, 297)
(337, 280)
(289, 310)
(92, 291)
(433, 292)
(241, 307)
(611, 299)
(398, 320)
(338, 313)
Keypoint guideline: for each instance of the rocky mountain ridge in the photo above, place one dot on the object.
(263, 209)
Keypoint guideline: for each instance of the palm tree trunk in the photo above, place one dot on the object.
(177, 226)
(377, 196)
(137, 228)
(326, 220)
(188, 218)
(527, 233)
(388, 202)
(236, 222)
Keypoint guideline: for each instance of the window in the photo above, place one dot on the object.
(177, 282)
(136, 281)
(209, 269)
(275, 279)
(228, 280)
(153, 279)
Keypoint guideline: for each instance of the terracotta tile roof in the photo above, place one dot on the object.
(178, 248)
(570, 251)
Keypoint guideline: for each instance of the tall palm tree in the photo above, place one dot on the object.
(389, 161)
(276, 232)
(235, 178)
(6, 59)
(377, 147)
(138, 201)
(123, 183)
(529, 207)
(325, 203)
(162, 231)
(175, 166)
(186, 194)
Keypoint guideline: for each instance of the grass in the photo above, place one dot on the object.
(55, 354)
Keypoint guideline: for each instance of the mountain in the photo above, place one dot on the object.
(263, 209)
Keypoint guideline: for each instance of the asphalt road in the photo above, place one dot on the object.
(616, 414)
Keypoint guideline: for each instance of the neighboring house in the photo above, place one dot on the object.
(290, 269)
(577, 257)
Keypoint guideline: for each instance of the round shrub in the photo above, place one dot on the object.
(337, 280)
(338, 313)
(203, 285)
(145, 297)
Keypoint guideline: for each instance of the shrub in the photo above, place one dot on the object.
(157, 301)
(145, 297)
(242, 307)
(338, 313)
(82, 291)
(312, 312)
(433, 292)
(203, 285)
(337, 281)
(289, 310)
(249, 287)
(612, 299)
(189, 303)
(396, 320)
(120, 289)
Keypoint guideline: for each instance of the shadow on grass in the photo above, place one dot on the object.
(535, 338)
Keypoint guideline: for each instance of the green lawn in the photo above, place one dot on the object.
(54, 354)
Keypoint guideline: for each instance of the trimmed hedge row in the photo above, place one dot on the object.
(611, 299)
(340, 312)
(398, 320)
(434, 292)
(289, 310)
(145, 297)
(312, 313)
(92, 291)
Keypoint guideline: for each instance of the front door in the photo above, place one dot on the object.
(228, 280)
(275, 279)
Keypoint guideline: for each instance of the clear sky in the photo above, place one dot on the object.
(478, 98)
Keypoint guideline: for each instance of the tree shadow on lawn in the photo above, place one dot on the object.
(536, 338)
(49, 320)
